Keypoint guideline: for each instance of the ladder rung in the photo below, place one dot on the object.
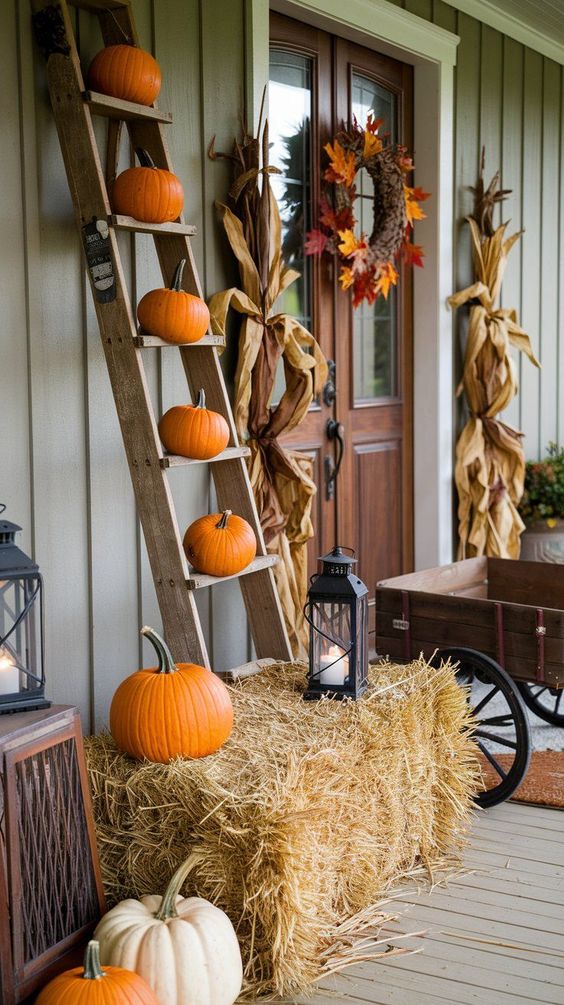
(143, 341)
(197, 580)
(129, 223)
(229, 454)
(99, 6)
(116, 108)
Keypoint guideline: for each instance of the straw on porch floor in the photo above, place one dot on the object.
(301, 823)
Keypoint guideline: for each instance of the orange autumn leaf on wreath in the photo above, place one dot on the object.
(342, 167)
(387, 277)
(348, 244)
(372, 124)
(346, 277)
(413, 254)
(372, 145)
(413, 210)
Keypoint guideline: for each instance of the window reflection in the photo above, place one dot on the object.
(290, 100)
(374, 327)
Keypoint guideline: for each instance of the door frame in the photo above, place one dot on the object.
(431, 50)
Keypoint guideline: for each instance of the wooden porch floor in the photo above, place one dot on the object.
(495, 937)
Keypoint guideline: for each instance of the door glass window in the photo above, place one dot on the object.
(374, 327)
(290, 102)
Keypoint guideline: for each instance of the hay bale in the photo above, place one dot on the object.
(299, 825)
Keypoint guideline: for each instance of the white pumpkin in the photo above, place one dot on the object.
(185, 948)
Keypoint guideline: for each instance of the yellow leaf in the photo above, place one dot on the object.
(342, 164)
(413, 210)
(348, 244)
(387, 277)
(346, 277)
(372, 145)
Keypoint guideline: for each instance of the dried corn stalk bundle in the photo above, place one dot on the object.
(281, 479)
(490, 463)
(305, 821)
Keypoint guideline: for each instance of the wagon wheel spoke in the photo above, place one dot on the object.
(497, 767)
(558, 700)
(485, 700)
(537, 694)
(495, 738)
(498, 720)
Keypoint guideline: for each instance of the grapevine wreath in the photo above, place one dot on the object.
(368, 263)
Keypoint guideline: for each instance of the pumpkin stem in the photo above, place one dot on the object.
(168, 903)
(222, 524)
(201, 402)
(177, 278)
(145, 158)
(92, 966)
(166, 662)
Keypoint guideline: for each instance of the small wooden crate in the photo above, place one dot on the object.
(511, 611)
(51, 894)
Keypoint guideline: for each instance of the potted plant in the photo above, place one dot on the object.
(542, 508)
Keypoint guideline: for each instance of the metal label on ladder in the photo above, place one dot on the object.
(96, 241)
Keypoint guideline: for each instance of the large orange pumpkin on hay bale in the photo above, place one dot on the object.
(148, 193)
(171, 710)
(220, 544)
(173, 314)
(92, 985)
(126, 72)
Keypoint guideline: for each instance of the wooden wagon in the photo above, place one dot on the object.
(503, 622)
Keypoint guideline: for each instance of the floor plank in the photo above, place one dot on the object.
(494, 934)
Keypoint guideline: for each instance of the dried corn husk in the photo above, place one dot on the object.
(281, 479)
(490, 463)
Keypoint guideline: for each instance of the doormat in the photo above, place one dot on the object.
(544, 782)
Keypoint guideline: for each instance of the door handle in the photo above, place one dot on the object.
(336, 431)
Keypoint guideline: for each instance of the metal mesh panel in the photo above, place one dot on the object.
(58, 890)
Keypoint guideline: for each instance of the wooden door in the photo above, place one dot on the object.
(318, 81)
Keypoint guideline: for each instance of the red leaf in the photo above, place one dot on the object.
(315, 243)
(419, 195)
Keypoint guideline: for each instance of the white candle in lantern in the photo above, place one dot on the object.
(334, 666)
(9, 673)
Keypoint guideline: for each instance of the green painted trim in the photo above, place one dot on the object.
(521, 31)
(378, 19)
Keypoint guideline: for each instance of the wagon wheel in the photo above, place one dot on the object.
(546, 702)
(502, 727)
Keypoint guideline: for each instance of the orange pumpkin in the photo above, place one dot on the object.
(126, 72)
(90, 985)
(174, 315)
(194, 430)
(220, 544)
(172, 710)
(148, 193)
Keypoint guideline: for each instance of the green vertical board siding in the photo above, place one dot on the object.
(549, 263)
(531, 256)
(511, 178)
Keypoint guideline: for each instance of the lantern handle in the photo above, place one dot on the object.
(2, 507)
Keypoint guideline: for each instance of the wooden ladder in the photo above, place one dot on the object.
(124, 346)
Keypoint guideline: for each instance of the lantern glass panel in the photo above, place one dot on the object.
(21, 670)
(331, 642)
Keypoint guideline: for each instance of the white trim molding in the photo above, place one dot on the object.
(515, 27)
(432, 52)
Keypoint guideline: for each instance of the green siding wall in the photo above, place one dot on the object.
(510, 98)
(62, 468)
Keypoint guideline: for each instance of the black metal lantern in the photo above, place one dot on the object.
(337, 613)
(22, 676)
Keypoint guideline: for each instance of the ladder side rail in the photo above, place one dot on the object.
(231, 478)
(203, 369)
(154, 500)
